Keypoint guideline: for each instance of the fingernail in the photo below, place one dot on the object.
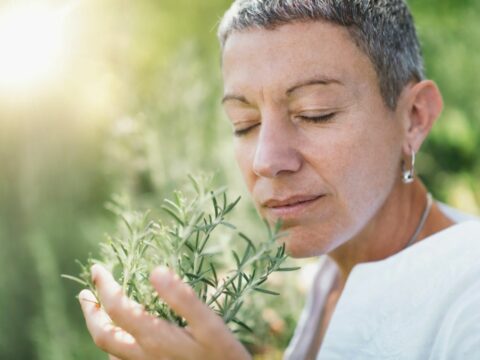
(94, 270)
(82, 295)
(86, 295)
(164, 277)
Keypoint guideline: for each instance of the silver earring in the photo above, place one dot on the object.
(408, 175)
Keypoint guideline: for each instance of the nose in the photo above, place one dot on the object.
(276, 152)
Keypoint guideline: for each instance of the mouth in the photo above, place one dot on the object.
(290, 207)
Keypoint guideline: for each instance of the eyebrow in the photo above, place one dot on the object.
(315, 81)
(240, 98)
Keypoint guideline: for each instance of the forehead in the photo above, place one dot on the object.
(276, 59)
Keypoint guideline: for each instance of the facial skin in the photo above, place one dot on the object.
(346, 162)
(344, 166)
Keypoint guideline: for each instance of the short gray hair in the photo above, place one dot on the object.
(383, 29)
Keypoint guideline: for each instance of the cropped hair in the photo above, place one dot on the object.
(383, 29)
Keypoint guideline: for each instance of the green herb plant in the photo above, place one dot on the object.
(192, 244)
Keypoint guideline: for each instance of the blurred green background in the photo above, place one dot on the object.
(126, 100)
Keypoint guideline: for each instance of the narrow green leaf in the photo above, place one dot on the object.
(208, 282)
(117, 254)
(289, 268)
(224, 198)
(195, 184)
(237, 259)
(227, 224)
(245, 255)
(173, 215)
(243, 325)
(175, 207)
(197, 237)
(125, 221)
(249, 242)
(215, 205)
(262, 280)
(204, 243)
(214, 272)
(178, 198)
(265, 291)
(232, 205)
(74, 278)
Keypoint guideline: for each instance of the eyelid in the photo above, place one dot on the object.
(314, 119)
(317, 118)
(245, 131)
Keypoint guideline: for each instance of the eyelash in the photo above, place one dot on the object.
(317, 119)
(242, 132)
(312, 119)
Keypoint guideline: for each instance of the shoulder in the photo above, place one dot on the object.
(455, 214)
(325, 273)
(446, 274)
(458, 336)
(408, 302)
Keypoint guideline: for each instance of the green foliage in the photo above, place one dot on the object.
(190, 244)
(136, 111)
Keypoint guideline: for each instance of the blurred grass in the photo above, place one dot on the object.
(133, 109)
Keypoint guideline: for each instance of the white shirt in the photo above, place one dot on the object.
(421, 303)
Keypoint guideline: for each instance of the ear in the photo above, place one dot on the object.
(422, 105)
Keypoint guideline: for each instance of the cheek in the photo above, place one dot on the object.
(368, 179)
(244, 154)
(358, 167)
(367, 175)
(361, 155)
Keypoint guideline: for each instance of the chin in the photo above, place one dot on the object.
(301, 244)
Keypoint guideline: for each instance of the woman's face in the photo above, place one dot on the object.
(316, 144)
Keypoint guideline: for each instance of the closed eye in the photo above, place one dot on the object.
(242, 132)
(316, 119)
(313, 119)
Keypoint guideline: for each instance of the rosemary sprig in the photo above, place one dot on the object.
(187, 245)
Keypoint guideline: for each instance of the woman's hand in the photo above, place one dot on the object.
(125, 330)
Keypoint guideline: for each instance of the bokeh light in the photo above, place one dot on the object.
(102, 97)
(32, 39)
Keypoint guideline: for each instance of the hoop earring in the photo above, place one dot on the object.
(408, 175)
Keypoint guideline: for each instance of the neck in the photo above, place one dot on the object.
(391, 228)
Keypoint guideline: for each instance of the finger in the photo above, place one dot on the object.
(126, 313)
(107, 336)
(202, 321)
(151, 333)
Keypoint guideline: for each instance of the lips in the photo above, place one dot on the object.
(291, 201)
(291, 209)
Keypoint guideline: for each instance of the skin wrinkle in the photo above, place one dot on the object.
(302, 61)
(312, 58)
(383, 30)
(316, 80)
(367, 213)
(320, 80)
(354, 159)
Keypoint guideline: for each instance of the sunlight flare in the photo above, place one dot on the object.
(31, 46)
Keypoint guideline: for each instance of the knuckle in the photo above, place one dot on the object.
(151, 345)
(115, 307)
(101, 340)
(114, 310)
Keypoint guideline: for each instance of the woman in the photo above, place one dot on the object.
(329, 105)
